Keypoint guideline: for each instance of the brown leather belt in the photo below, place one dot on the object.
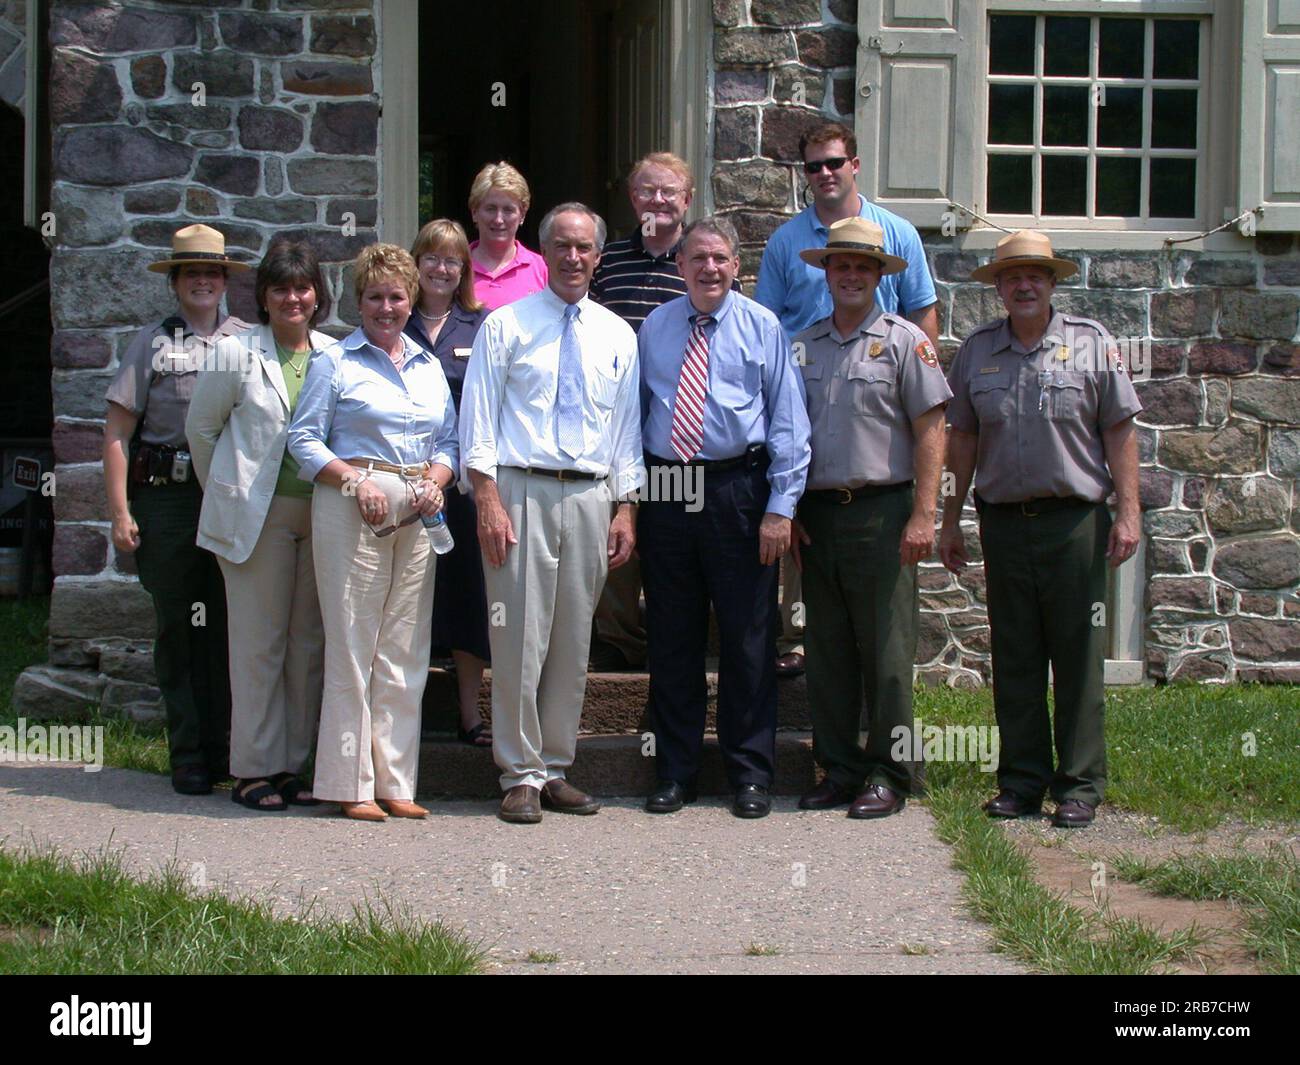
(559, 475)
(411, 472)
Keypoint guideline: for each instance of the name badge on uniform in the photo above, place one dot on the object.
(461, 353)
(876, 349)
(989, 369)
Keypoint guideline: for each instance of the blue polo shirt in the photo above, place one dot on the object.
(797, 293)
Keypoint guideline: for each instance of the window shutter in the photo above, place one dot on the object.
(920, 105)
(1270, 113)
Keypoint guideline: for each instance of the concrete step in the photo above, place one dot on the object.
(615, 702)
(605, 765)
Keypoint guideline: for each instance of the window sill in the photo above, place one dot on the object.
(986, 239)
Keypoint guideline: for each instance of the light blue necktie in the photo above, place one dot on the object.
(571, 385)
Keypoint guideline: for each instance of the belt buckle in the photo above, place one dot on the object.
(414, 472)
(564, 475)
(847, 496)
(1024, 508)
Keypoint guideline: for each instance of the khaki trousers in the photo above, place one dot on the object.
(276, 646)
(376, 600)
(540, 606)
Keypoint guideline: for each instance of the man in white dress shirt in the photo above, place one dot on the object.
(550, 434)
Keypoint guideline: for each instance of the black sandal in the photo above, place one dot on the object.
(471, 737)
(244, 793)
(289, 785)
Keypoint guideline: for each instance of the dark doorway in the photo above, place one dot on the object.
(537, 85)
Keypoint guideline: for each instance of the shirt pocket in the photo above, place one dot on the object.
(872, 388)
(991, 398)
(739, 374)
(1064, 396)
(603, 387)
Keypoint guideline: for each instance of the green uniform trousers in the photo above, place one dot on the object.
(1046, 598)
(860, 637)
(189, 655)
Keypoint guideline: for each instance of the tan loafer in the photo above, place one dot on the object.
(403, 808)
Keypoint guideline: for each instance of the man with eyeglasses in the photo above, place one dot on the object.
(636, 275)
(796, 292)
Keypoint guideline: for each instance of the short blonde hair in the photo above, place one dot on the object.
(378, 262)
(501, 176)
(668, 161)
(439, 237)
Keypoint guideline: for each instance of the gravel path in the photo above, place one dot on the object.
(619, 892)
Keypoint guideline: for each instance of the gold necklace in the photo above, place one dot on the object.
(296, 367)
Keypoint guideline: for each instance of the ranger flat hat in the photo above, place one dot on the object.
(1024, 247)
(855, 236)
(197, 244)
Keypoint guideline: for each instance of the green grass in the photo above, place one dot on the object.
(62, 918)
(1267, 885)
(543, 957)
(761, 950)
(1175, 752)
(1028, 921)
(23, 634)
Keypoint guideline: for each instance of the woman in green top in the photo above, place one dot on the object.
(256, 519)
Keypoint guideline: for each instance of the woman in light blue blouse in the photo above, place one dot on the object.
(375, 429)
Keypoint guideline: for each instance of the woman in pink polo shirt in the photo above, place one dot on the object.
(504, 270)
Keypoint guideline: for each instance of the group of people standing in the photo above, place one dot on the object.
(516, 401)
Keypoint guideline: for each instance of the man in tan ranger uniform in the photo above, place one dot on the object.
(1042, 414)
(875, 398)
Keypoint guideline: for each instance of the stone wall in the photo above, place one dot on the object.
(259, 122)
(1220, 436)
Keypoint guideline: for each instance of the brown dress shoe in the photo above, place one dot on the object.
(563, 797)
(825, 796)
(1010, 805)
(362, 811)
(1074, 813)
(403, 808)
(877, 801)
(790, 665)
(521, 806)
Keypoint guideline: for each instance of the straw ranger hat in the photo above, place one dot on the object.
(197, 244)
(1024, 247)
(855, 236)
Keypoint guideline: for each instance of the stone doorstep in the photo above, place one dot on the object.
(615, 702)
(605, 765)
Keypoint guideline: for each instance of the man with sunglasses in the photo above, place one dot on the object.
(796, 292)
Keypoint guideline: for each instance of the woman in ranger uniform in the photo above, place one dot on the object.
(154, 501)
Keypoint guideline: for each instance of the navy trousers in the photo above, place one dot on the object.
(690, 561)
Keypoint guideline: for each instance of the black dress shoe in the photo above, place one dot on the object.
(877, 801)
(791, 665)
(826, 796)
(752, 800)
(1010, 805)
(669, 797)
(191, 780)
(1074, 813)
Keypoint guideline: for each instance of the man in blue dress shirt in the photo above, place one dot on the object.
(719, 392)
(797, 294)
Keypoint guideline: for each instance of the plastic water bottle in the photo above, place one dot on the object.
(439, 535)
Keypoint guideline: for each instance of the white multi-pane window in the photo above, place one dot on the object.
(1094, 117)
(1122, 123)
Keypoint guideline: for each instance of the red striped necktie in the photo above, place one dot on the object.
(692, 392)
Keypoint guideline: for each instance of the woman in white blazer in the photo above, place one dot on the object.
(256, 519)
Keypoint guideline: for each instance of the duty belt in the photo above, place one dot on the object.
(852, 495)
(1031, 508)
